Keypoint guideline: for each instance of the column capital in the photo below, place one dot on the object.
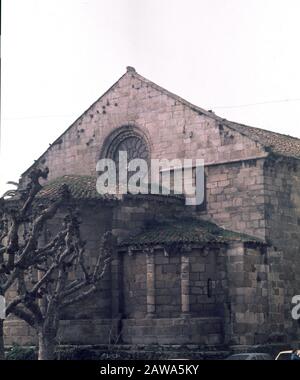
(186, 249)
(149, 251)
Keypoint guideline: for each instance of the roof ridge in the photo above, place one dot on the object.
(265, 130)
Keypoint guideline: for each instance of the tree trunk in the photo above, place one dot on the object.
(2, 352)
(46, 345)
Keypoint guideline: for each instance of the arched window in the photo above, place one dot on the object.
(127, 139)
(136, 144)
(135, 147)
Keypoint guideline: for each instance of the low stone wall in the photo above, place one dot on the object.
(96, 331)
(203, 331)
(79, 332)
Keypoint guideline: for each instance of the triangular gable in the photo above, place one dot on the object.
(278, 143)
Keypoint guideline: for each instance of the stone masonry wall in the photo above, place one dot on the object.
(167, 284)
(158, 305)
(253, 311)
(134, 286)
(204, 285)
(282, 178)
(199, 331)
(235, 196)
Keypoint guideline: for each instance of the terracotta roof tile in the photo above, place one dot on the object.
(185, 231)
(80, 187)
(84, 188)
(278, 143)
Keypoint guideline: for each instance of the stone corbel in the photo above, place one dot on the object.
(204, 252)
(130, 251)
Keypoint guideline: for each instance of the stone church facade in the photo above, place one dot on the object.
(220, 274)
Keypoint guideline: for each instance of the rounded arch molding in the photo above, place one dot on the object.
(130, 138)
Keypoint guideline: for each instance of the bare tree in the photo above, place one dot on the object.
(17, 253)
(41, 300)
(48, 277)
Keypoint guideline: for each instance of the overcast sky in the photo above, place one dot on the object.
(240, 58)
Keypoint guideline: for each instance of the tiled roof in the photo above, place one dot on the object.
(185, 231)
(84, 188)
(80, 187)
(283, 145)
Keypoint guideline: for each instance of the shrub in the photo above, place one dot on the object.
(17, 352)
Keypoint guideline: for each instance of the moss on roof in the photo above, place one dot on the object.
(80, 187)
(186, 231)
(283, 145)
(84, 188)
